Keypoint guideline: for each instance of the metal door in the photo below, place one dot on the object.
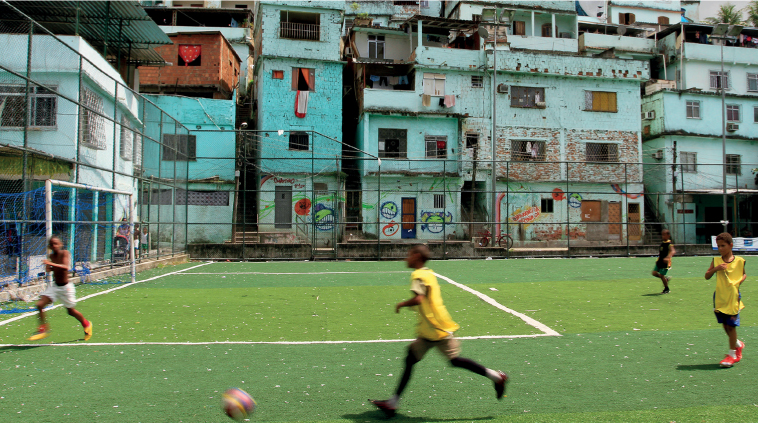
(283, 207)
(408, 217)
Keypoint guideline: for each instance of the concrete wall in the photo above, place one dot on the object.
(645, 12)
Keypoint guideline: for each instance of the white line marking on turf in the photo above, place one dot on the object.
(370, 341)
(528, 320)
(33, 313)
(289, 273)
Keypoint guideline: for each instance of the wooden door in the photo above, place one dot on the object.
(590, 211)
(408, 216)
(633, 216)
(614, 215)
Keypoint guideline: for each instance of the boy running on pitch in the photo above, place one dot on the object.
(663, 264)
(60, 289)
(727, 300)
(435, 330)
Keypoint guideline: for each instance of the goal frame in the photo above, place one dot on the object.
(49, 216)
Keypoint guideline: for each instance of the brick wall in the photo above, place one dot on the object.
(219, 66)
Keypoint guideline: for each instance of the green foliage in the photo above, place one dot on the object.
(752, 13)
(727, 14)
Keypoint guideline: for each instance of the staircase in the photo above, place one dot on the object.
(653, 226)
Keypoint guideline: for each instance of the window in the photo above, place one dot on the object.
(527, 97)
(693, 109)
(627, 18)
(547, 30)
(392, 143)
(320, 188)
(519, 27)
(476, 18)
(733, 113)
(137, 148)
(663, 20)
(299, 140)
(527, 151)
(436, 146)
(303, 79)
(717, 78)
(477, 81)
(189, 55)
(179, 148)
(300, 25)
(277, 74)
(92, 124)
(752, 82)
(599, 101)
(439, 201)
(602, 152)
(755, 114)
(127, 139)
(376, 46)
(688, 161)
(424, 3)
(434, 84)
(43, 110)
(546, 205)
(733, 164)
(202, 198)
(472, 139)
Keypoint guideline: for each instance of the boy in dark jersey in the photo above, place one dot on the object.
(663, 264)
(60, 289)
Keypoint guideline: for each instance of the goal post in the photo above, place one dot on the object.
(90, 218)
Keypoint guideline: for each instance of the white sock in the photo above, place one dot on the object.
(739, 344)
(733, 353)
(393, 401)
(493, 375)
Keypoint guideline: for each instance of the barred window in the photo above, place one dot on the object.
(472, 139)
(599, 101)
(719, 79)
(732, 112)
(179, 147)
(527, 151)
(752, 82)
(688, 161)
(392, 143)
(527, 97)
(137, 149)
(733, 164)
(693, 109)
(602, 152)
(158, 197)
(202, 198)
(477, 81)
(436, 146)
(299, 141)
(434, 84)
(127, 139)
(43, 106)
(92, 123)
(439, 201)
(546, 205)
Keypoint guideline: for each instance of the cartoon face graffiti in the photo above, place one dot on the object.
(434, 222)
(324, 218)
(303, 207)
(558, 194)
(575, 200)
(389, 209)
(391, 229)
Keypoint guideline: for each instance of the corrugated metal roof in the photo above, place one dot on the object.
(120, 28)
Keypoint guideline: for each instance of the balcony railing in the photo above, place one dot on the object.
(300, 31)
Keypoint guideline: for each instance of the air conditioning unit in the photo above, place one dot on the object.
(348, 52)
(658, 155)
(731, 127)
(502, 89)
(648, 115)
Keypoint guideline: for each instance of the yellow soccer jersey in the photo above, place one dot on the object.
(434, 321)
(727, 297)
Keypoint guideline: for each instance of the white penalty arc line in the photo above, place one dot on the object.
(33, 313)
(489, 300)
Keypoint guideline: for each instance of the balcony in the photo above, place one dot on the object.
(300, 31)
(600, 42)
(712, 53)
(569, 45)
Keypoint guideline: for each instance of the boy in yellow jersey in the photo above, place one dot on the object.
(435, 330)
(727, 301)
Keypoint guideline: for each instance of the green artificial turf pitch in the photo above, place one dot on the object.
(164, 350)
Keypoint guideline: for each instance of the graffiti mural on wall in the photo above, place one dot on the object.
(391, 229)
(575, 200)
(434, 222)
(558, 194)
(617, 188)
(303, 207)
(324, 218)
(389, 209)
(526, 216)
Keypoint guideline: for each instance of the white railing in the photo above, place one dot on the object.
(299, 31)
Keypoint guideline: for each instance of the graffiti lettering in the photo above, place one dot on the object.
(527, 215)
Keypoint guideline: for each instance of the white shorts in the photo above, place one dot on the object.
(66, 294)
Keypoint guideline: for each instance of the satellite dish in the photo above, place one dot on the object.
(483, 32)
(621, 30)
